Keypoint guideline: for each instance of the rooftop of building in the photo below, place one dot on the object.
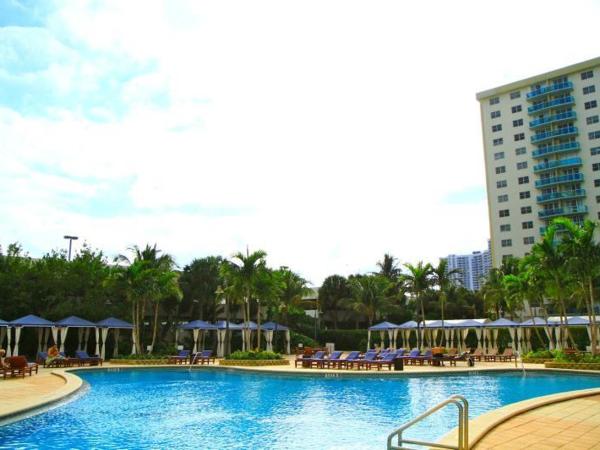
(538, 78)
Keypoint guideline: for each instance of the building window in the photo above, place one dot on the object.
(590, 105)
(525, 209)
(500, 169)
(518, 123)
(501, 184)
(595, 151)
(519, 136)
(498, 141)
(516, 109)
(522, 165)
(529, 240)
(597, 198)
(593, 135)
(496, 128)
(592, 119)
(520, 151)
(504, 213)
(524, 195)
(596, 167)
(597, 183)
(516, 94)
(499, 155)
(527, 225)
(589, 89)
(587, 75)
(495, 114)
(523, 180)
(505, 227)
(494, 100)
(503, 198)
(598, 214)
(506, 242)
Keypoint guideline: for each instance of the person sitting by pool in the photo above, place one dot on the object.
(2, 354)
(53, 354)
(438, 351)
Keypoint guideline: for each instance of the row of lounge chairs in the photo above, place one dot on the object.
(372, 358)
(17, 366)
(81, 358)
(187, 357)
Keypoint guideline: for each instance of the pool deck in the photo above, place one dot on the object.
(574, 417)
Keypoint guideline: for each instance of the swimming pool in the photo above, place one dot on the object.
(217, 409)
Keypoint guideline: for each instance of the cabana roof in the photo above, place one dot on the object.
(31, 321)
(408, 325)
(274, 326)
(570, 320)
(3, 323)
(75, 322)
(384, 326)
(198, 325)
(536, 322)
(222, 324)
(112, 322)
(502, 323)
(249, 325)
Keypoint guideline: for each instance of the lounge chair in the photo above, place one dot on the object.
(508, 355)
(452, 351)
(318, 359)
(83, 358)
(387, 360)
(205, 356)
(342, 363)
(464, 356)
(181, 358)
(18, 366)
(366, 360)
(412, 356)
(334, 358)
(491, 356)
(64, 361)
(477, 354)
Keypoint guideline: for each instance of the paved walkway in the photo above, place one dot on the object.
(572, 424)
(18, 393)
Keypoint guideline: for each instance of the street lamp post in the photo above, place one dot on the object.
(71, 239)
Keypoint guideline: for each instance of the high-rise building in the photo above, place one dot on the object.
(472, 268)
(541, 138)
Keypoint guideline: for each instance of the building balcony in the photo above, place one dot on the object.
(571, 178)
(556, 149)
(551, 89)
(565, 195)
(548, 135)
(556, 103)
(566, 211)
(569, 162)
(557, 118)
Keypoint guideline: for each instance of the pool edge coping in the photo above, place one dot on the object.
(481, 426)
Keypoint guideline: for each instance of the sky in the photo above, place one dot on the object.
(326, 133)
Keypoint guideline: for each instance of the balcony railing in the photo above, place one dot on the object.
(567, 211)
(554, 149)
(553, 88)
(557, 164)
(567, 115)
(563, 101)
(565, 195)
(570, 178)
(561, 132)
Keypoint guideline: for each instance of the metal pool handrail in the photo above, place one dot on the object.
(463, 427)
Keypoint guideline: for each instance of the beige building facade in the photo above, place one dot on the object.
(541, 138)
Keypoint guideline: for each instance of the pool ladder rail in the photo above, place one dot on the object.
(463, 427)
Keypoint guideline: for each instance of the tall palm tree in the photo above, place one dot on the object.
(388, 267)
(333, 292)
(292, 291)
(243, 274)
(583, 261)
(417, 281)
(442, 277)
(368, 295)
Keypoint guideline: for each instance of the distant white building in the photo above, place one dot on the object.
(473, 268)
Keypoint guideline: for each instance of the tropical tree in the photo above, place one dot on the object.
(199, 282)
(443, 278)
(292, 292)
(388, 267)
(368, 295)
(332, 293)
(417, 281)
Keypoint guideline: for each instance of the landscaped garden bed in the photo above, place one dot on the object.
(572, 365)
(253, 359)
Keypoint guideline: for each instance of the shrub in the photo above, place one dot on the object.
(255, 356)
(297, 338)
(545, 354)
(348, 339)
(142, 356)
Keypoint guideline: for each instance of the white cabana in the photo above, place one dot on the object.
(117, 325)
(221, 335)
(72, 322)
(43, 326)
(198, 326)
(4, 332)
(492, 328)
(406, 329)
(548, 329)
(269, 328)
(384, 327)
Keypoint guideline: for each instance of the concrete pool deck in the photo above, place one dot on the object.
(514, 424)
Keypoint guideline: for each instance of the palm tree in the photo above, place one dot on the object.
(292, 291)
(443, 278)
(243, 274)
(368, 295)
(332, 293)
(417, 281)
(583, 261)
(388, 267)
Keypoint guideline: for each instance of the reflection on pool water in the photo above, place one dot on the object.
(216, 409)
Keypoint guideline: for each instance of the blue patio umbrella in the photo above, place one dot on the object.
(31, 321)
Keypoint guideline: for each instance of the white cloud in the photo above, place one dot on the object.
(337, 129)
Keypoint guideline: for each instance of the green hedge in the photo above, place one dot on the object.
(254, 362)
(348, 339)
(254, 356)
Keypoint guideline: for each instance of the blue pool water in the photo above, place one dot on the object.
(214, 409)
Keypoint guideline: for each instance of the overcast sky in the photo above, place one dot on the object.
(323, 132)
